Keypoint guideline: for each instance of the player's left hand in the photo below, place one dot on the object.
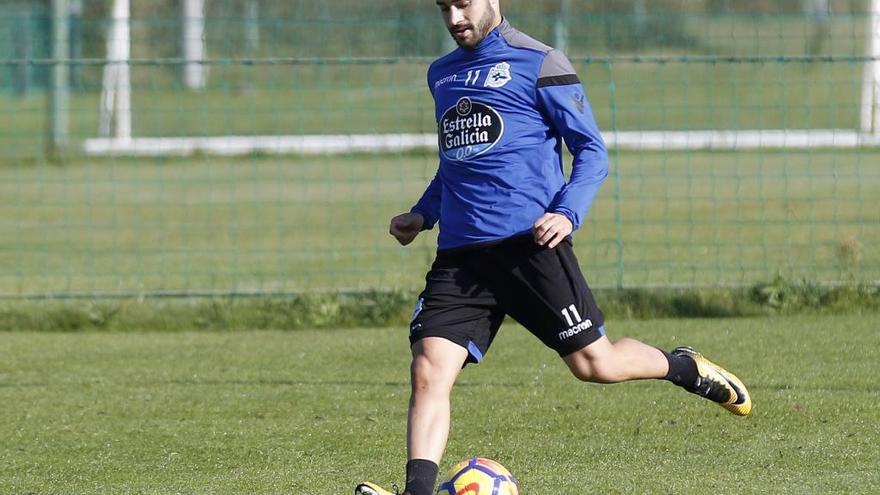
(551, 229)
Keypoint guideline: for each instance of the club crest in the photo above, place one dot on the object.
(498, 75)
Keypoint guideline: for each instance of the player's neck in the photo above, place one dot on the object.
(499, 19)
(497, 22)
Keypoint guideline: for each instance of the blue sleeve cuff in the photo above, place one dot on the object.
(429, 220)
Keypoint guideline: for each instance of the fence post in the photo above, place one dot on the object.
(76, 45)
(22, 49)
(618, 197)
(252, 27)
(59, 91)
(871, 81)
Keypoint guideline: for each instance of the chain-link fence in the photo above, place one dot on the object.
(739, 149)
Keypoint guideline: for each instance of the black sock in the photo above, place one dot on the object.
(421, 475)
(682, 371)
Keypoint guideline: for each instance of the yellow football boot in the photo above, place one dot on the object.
(372, 489)
(717, 384)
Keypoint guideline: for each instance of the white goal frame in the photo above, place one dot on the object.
(116, 95)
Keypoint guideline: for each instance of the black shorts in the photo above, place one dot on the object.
(468, 293)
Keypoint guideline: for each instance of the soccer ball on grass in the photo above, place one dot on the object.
(479, 476)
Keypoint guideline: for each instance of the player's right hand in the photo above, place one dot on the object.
(406, 227)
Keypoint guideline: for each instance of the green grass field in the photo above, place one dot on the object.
(314, 412)
(282, 223)
(266, 224)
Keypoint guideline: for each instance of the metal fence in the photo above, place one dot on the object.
(739, 146)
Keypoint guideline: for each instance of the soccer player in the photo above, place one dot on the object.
(504, 105)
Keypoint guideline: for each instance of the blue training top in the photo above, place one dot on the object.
(502, 111)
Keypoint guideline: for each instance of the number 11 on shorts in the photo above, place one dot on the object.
(569, 312)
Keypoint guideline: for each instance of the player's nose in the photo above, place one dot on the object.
(456, 16)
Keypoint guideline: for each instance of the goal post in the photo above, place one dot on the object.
(193, 41)
(116, 81)
(871, 81)
(116, 105)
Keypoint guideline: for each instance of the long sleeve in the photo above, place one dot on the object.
(561, 99)
(429, 204)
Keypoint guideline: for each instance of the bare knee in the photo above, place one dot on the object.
(435, 366)
(597, 363)
(424, 375)
(596, 370)
(625, 359)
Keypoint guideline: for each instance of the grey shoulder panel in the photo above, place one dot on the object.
(557, 71)
(556, 64)
(518, 39)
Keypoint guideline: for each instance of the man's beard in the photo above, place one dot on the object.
(481, 30)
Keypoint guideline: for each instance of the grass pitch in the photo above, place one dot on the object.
(277, 223)
(295, 224)
(314, 412)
